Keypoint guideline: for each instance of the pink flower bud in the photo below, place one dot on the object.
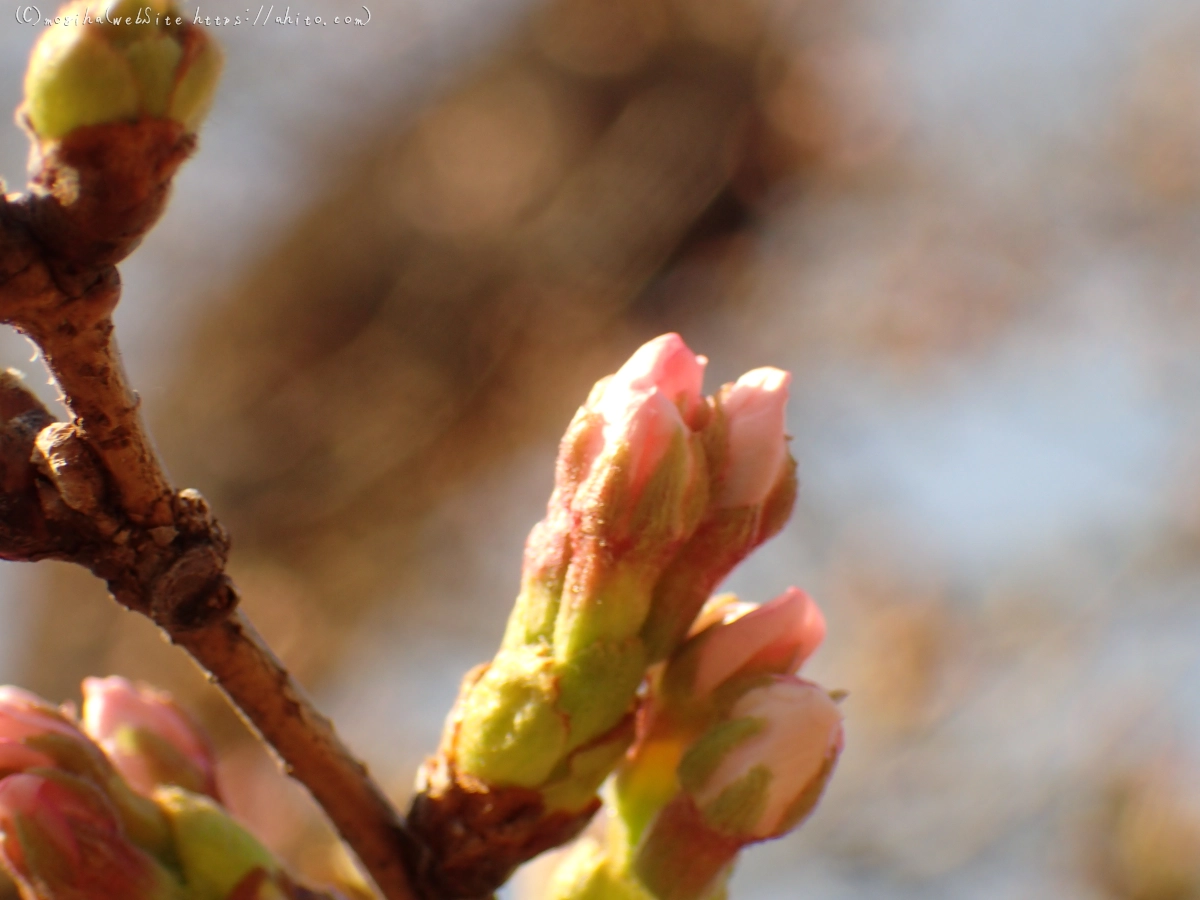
(754, 410)
(752, 490)
(149, 739)
(634, 429)
(664, 365)
(741, 638)
(651, 399)
(29, 727)
(60, 838)
(771, 775)
(24, 715)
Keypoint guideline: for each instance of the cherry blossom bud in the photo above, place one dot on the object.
(756, 445)
(754, 775)
(628, 482)
(759, 773)
(658, 493)
(119, 62)
(734, 639)
(630, 488)
(149, 739)
(62, 840)
(752, 490)
(34, 733)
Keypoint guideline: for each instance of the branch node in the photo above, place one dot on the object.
(194, 592)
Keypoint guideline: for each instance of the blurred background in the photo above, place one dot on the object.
(406, 250)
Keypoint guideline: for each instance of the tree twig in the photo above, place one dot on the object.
(94, 491)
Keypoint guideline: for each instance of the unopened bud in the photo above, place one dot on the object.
(61, 838)
(756, 456)
(758, 774)
(732, 640)
(149, 739)
(658, 493)
(34, 733)
(616, 487)
(630, 487)
(752, 491)
(122, 62)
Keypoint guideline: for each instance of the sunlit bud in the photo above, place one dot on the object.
(636, 412)
(35, 733)
(734, 639)
(759, 773)
(642, 491)
(637, 416)
(62, 840)
(667, 365)
(630, 485)
(216, 854)
(752, 491)
(658, 493)
(630, 488)
(147, 736)
(756, 446)
(120, 62)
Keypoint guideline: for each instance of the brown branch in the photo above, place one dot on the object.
(312, 751)
(94, 491)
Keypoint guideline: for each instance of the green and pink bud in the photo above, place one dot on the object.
(733, 641)
(630, 488)
(37, 735)
(122, 61)
(145, 734)
(752, 488)
(34, 733)
(659, 492)
(734, 647)
(62, 840)
(752, 777)
(756, 775)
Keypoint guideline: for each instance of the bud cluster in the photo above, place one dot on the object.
(121, 803)
(659, 492)
(650, 473)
